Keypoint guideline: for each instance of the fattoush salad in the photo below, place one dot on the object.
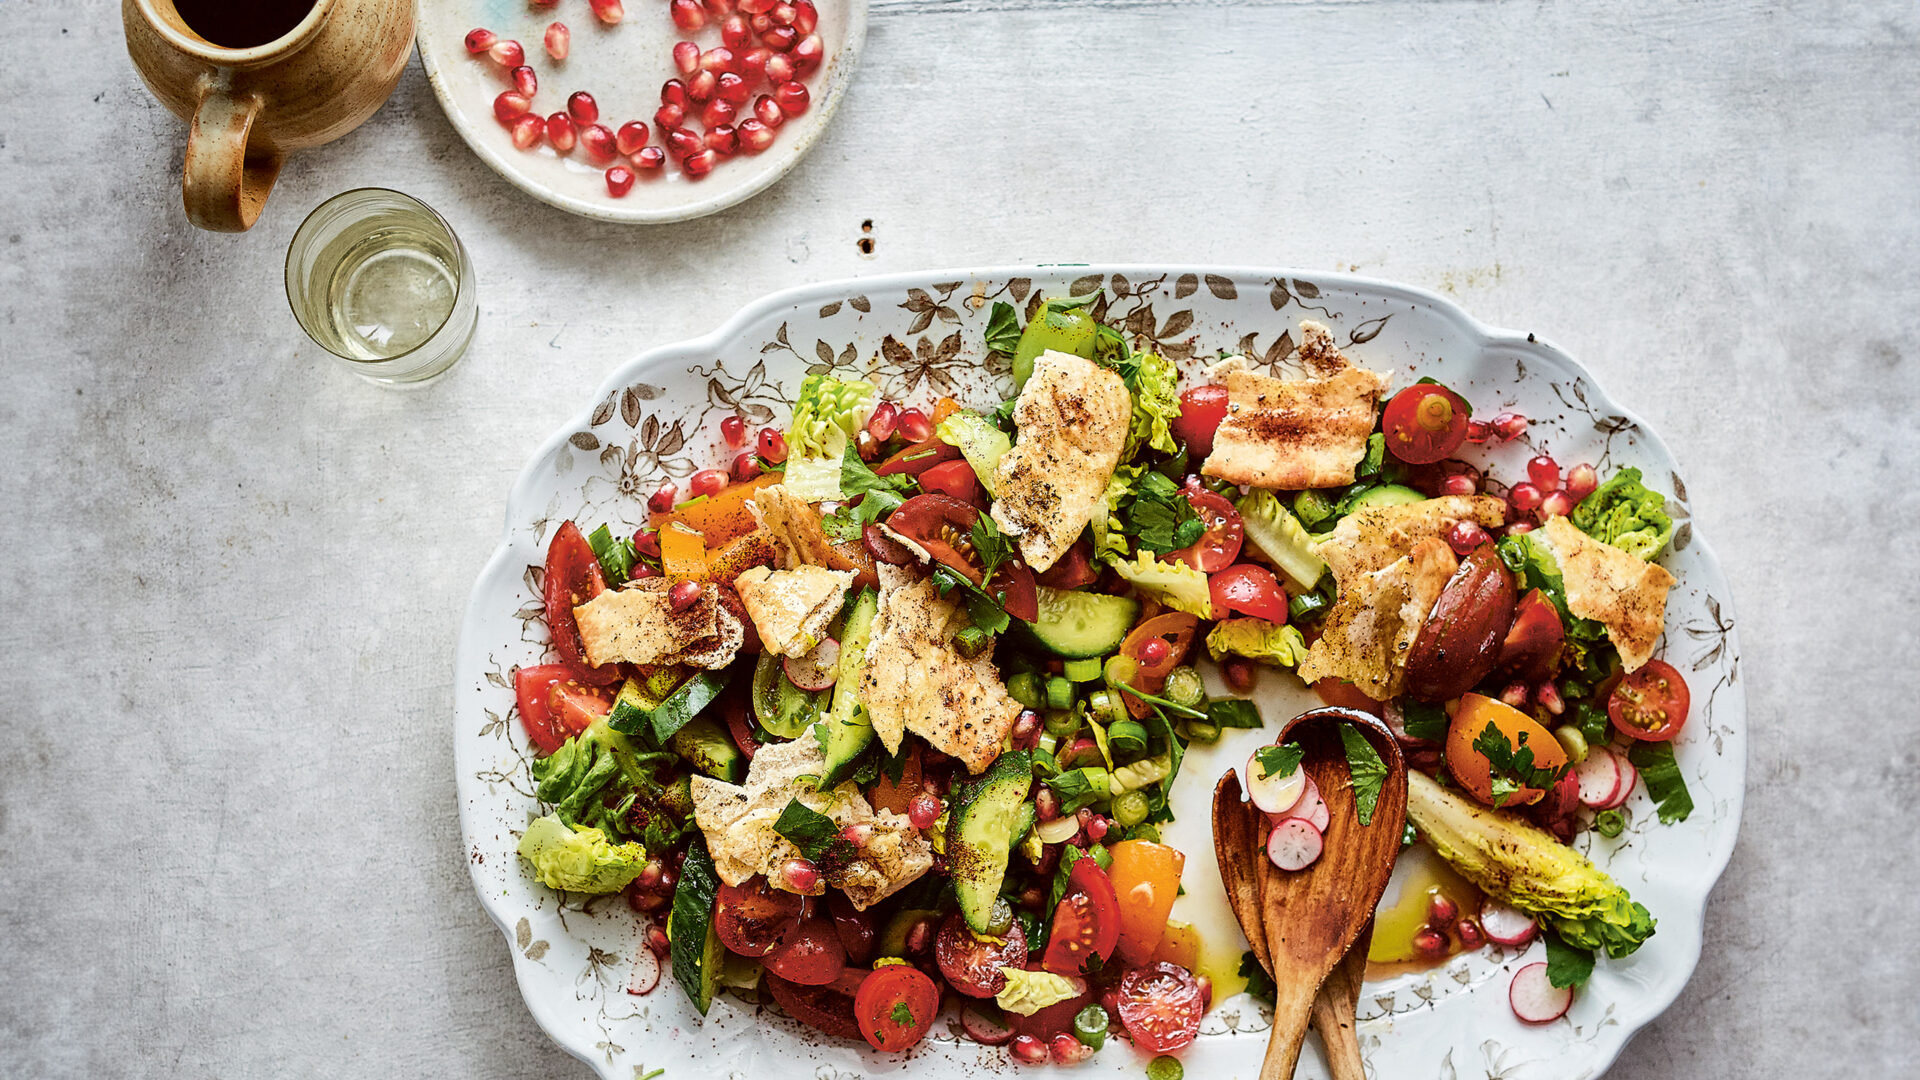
(879, 723)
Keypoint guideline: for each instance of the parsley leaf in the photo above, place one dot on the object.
(870, 496)
(815, 834)
(1664, 782)
(1512, 770)
(985, 611)
(1003, 328)
(1162, 519)
(1567, 965)
(1233, 713)
(990, 545)
(1424, 721)
(901, 1013)
(616, 556)
(1259, 984)
(1366, 770)
(1281, 761)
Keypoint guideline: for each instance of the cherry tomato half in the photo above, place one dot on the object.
(918, 458)
(1087, 922)
(1161, 1006)
(1220, 544)
(811, 954)
(1146, 877)
(1345, 695)
(972, 962)
(754, 918)
(1425, 422)
(1249, 590)
(943, 525)
(1177, 629)
(823, 1008)
(533, 689)
(1201, 410)
(896, 1006)
(1074, 570)
(1650, 704)
(573, 578)
(575, 705)
(953, 478)
(854, 927)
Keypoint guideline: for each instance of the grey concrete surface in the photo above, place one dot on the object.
(228, 844)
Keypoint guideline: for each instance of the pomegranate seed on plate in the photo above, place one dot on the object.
(793, 98)
(526, 130)
(717, 113)
(608, 11)
(683, 595)
(1431, 944)
(734, 430)
(701, 86)
(1524, 498)
(524, 80)
(779, 38)
(1509, 426)
(1516, 695)
(734, 33)
(719, 60)
(760, 24)
(511, 105)
(686, 57)
(1465, 536)
(863, 441)
(1581, 480)
(631, 137)
(560, 132)
(559, 41)
(719, 9)
(1547, 696)
(688, 15)
(745, 467)
(757, 7)
(1097, 827)
(657, 941)
(663, 497)
(1458, 484)
(914, 425)
(1544, 472)
(805, 16)
(649, 158)
(668, 117)
(1478, 431)
(723, 140)
(545, 3)
(1441, 908)
(773, 446)
(480, 39)
(753, 64)
(507, 54)
(619, 180)
(732, 89)
(1239, 675)
(599, 143)
(1153, 650)
(674, 92)
(1029, 1049)
(1556, 504)
(768, 111)
(707, 482)
(808, 52)
(682, 142)
(1068, 1050)
(782, 14)
(886, 415)
(779, 69)
(582, 107)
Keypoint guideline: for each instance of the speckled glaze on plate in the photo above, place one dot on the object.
(919, 336)
(623, 67)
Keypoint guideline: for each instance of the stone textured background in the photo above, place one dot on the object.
(227, 835)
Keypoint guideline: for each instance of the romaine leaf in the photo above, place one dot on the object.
(1281, 645)
(1279, 538)
(1178, 585)
(979, 441)
(1661, 771)
(579, 859)
(1627, 514)
(1152, 379)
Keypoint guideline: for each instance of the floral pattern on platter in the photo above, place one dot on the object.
(921, 337)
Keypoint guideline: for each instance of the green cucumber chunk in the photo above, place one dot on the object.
(980, 834)
(1075, 624)
(698, 956)
(846, 731)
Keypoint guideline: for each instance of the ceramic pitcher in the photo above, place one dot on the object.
(250, 106)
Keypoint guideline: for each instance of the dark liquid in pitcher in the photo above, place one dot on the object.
(242, 24)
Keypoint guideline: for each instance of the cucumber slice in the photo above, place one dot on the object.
(847, 730)
(980, 834)
(1077, 624)
(698, 956)
(1385, 495)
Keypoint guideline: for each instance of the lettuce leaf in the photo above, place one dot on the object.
(1177, 585)
(825, 416)
(1529, 557)
(982, 444)
(579, 859)
(1156, 403)
(1627, 514)
(1257, 639)
(1278, 537)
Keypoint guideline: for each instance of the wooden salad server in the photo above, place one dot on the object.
(1310, 928)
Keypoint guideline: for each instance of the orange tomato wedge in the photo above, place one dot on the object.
(1146, 876)
(944, 408)
(683, 552)
(721, 518)
(1471, 767)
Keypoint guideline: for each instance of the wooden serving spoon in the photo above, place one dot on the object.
(1306, 925)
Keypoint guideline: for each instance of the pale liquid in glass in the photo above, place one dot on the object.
(391, 286)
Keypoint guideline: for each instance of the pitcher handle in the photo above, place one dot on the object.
(222, 185)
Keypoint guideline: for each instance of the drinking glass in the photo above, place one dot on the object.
(378, 279)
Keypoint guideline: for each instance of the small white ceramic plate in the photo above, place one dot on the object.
(919, 336)
(623, 66)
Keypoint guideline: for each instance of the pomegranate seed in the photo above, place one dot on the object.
(700, 164)
(599, 143)
(719, 9)
(805, 16)
(767, 111)
(1524, 498)
(919, 936)
(1068, 1050)
(1154, 651)
(1431, 944)
(701, 86)
(1469, 932)
(608, 11)
(772, 446)
(734, 33)
(1239, 675)
(793, 97)
(707, 482)
(757, 7)
(480, 39)
(631, 137)
(745, 467)
(1465, 536)
(1556, 504)
(1544, 472)
(1458, 484)
(507, 54)
(1029, 1050)
(808, 52)
(619, 181)
(1515, 528)
(914, 426)
(526, 131)
(668, 117)
(560, 132)
(686, 57)
(717, 113)
(1509, 426)
(1478, 431)
(779, 70)
(683, 143)
(1547, 696)
(1581, 480)
(760, 24)
(719, 60)
(1441, 908)
(1097, 828)
(779, 38)
(657, 942)
(559, 41)
(650, 874)
(1027, 723)
(545, 3)
(801, 876)
(753, 64)
(755, 137)
(733, 89)
(886, 415)
(723, 140)
(582, 107)
(924, 810)
(782, 14)
(524, 80)
(647, 542)
(734, 430)
(1516, 695)
(668, 878)
(683, 595)
(858, 833)
(649, 158)
(674, 92)
(1205, 983)
(1046, 804)
(511, 105)
(688, 15)
(663, 497)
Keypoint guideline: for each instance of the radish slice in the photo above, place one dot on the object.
(1274, 794)
(1294, 844)
(1629, 776)
(982, 1028)
(1536, 1000)
(1599, 777)
(1505, 925)
(646, 971)
(1311, 809)
(818, 669)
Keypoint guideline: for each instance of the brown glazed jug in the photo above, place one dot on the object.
(258, 79)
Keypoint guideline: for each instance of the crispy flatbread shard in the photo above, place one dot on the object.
(916, 680)
(1372, 627)
(738, 821)
(1617, 589)
(637, 624)
(791, 608)
(794, 525)
(1296, 433)
(1072, 421)
(1372, 539)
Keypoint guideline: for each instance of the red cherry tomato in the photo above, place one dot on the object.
(1201, 410)
(953, 478)
(972, 962)
(1074, 570)
(1161, 1005)
(943, 525)
(575, 705)
(855, 928)
(1425, 422)
(1250, 590)
(1345, 695)
(1220, 544)
(573, 578)
(896, 1006)
(1531, 649)
(918, 458)
(1650, 704)
(754, 918)
(1087, 922)
(823, 1008)
(1051, 1020)
(812, 954)
(533, 689)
